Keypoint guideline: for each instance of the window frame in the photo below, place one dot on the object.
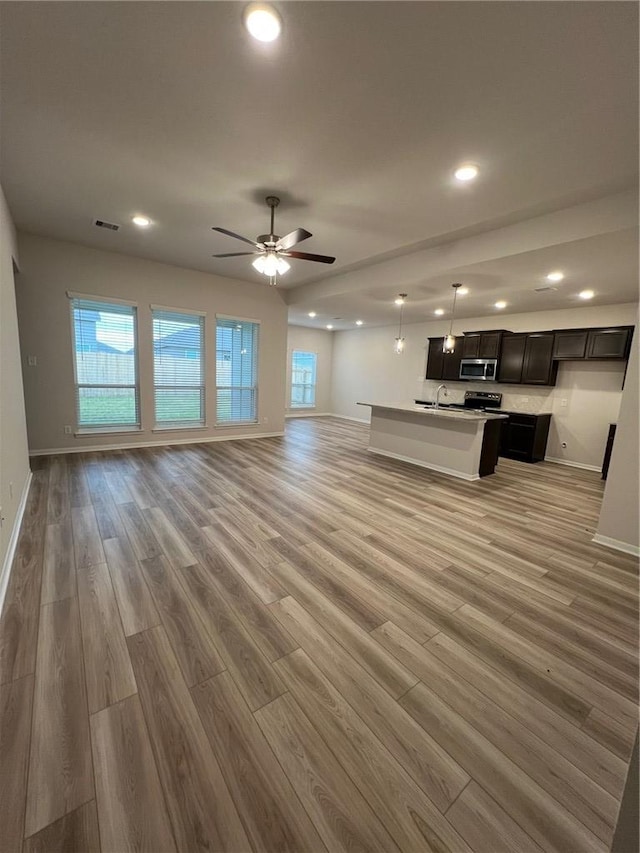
(314, 386)
(255, 387)
(201, 423)
(115, 427)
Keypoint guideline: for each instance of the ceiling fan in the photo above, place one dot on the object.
(271, 250)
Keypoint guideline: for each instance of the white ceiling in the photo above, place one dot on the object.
(356, 118)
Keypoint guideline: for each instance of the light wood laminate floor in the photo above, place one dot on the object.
(289, 644)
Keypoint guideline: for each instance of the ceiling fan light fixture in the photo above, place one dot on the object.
(262, 22)
(270, 264)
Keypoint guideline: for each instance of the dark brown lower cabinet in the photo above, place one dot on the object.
(524, 437)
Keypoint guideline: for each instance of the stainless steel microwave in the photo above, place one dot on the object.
(479, 368)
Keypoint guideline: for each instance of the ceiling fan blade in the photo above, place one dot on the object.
(237, 236)
(305, 256)
(291, 239)
(234, 254)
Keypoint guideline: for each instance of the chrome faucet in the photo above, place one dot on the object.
(440, 388)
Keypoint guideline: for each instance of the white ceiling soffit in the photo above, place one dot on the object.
(356, 118)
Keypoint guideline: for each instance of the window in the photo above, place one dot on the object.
(303, 380)
(236, 371)
(178, 368)
(105, 356)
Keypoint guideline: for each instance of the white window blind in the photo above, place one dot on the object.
(105, 357)
(178, 368)
(236, 371)
(303, 380)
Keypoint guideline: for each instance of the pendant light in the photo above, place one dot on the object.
(399, 344)
(449, 344)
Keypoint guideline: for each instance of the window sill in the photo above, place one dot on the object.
(225, 424)
(175, 427)
(302, 408)
(80, 433)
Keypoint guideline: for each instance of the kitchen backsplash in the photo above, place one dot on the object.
(516, 399)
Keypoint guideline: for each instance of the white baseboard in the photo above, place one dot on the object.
(572, 464)
(13, 541)
(616, 544)
(303, 414)
(438, 468)
(347, 418)
(54, 451)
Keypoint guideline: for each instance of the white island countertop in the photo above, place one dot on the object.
(461, 442)
(450, 414)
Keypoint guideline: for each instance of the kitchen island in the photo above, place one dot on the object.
(457, 442)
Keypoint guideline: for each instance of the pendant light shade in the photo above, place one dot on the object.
(399, 344)
(449, 343)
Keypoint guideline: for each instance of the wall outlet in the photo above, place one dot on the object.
(32, 361)
(67, 430)
(564, 402)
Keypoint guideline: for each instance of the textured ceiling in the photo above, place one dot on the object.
(356, 117)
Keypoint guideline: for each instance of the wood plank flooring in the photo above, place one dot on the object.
(289, 644)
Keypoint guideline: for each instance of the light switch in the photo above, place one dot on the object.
(32, 361)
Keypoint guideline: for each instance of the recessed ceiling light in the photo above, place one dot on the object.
(466, 172)
(555, 276)
(262, 22)
(501, 304)
(358, 322)
(312, 313)
(462, 291)
(329, 326)
(439, 312)
(586, 294)
(141, 221)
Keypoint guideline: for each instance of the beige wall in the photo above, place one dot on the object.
(366, 368)
(14, 460)
(320, 342)
(619, 517)
(51, 267)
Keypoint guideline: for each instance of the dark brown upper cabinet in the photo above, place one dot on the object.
(570, 344)
(435, 358)
(538, 367)
(512, 358)
(609, 343)
(527, 359)
(441, 365)
(482, 344)
(451, 361)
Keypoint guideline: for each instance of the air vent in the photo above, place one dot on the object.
(545, 288)
(110, 226)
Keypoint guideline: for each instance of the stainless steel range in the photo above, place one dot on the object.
(479, 400)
